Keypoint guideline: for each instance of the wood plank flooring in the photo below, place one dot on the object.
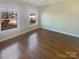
(40, 44)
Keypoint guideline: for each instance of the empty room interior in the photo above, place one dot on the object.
(39, 29)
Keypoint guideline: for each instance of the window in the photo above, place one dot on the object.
(8, 18)
(32, 18)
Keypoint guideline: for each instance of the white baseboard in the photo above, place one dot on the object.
(37, 28)
(70, 34)
(7, 38)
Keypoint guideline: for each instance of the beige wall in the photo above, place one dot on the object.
(0, 26)
(62, 17)
(23, 21)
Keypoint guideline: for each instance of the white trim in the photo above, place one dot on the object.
(37, 28)
(70, 34)
(7, 38)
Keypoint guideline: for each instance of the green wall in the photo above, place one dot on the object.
(62, 17)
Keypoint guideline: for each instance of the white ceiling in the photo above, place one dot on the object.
(35, 2)
(43, 2)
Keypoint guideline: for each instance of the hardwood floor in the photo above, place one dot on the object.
(40, 44)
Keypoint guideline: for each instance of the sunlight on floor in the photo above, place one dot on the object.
(12, 52)
(33, 41)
